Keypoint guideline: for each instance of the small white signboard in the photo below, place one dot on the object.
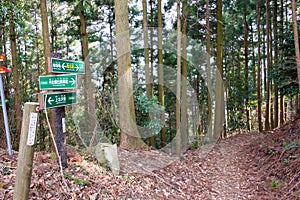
(32, 128)
(63, 125)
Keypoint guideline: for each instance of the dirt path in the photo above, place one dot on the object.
(240, 167)
(227, 170)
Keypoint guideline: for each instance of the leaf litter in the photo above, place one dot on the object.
(244, 166)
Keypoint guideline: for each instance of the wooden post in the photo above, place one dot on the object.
(26, 151)
(60, 134)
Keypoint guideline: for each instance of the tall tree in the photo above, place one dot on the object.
(246, 35)
(161, 92)
(90, 112)
(208, 69)
(184, 114)
(47, 51)
(260, 126)
(268, 21)
(178, 84)
(297, 50)
(15, 72)
(276, 59)
(149, 89)
(219, 109)
(129, 134)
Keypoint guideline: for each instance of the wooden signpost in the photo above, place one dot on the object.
(59, 92)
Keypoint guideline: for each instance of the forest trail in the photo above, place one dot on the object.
(244, 166)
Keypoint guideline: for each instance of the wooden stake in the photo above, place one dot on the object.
(26, 151)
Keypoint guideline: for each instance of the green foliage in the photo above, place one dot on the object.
(275, 184)
(76, 180)
(272, 152)
(146, 107)
(194, 144)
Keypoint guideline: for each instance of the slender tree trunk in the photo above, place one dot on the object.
(296, 42)
(219, 109)
(178, 86)
(281, 117)
(90, 112)
(161, 93)
(208, 70)
(267, 118)
(147, 68)
(151, 47)
(276, 61)
(14, 55)
(130, 137)
(260, 125)
(246, 33)
(47, 52)
(184, 114)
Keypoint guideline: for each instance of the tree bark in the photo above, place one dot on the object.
(260, 125)
(178, 84)
(161, 92)
(296, 43)
(184, 114)
(267, 117)
(219, 109)
(90, 113)
(130, 137)
(246, 34)
(15, 73)
(47, 51)
(208, 71)
(276, 59)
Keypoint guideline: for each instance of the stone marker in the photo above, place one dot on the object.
(108, 153)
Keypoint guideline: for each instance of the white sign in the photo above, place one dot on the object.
(63, 125)
(32, 129)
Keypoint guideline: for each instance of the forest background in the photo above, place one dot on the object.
(237, 69)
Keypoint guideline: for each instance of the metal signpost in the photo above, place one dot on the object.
(66, 66)
(58, 82)
(8, 140)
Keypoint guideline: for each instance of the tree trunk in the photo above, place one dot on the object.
(246, 32)
(161, 93)
(267, 118)
(178, 84)
(208, 70)
(219, 109)
(276, 58)
(89, 103)
(260, 125)
(282, 110)
(147, 68)
(14, 55)
(296, 42)
(47, 52)
(184, 114)
(130, 137)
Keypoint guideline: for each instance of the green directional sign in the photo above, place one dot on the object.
(58, 82)
(52, 100)
(66, 66)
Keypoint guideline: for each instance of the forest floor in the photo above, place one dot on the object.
(244, 166)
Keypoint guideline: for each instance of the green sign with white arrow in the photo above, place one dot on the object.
(66, 66)
(52, 100)
(58, 82)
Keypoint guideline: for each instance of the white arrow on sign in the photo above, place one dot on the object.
(76, 67)
(50, 101)
(63, 66)
(73, 81)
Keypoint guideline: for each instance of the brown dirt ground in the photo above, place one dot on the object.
(244, 166)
